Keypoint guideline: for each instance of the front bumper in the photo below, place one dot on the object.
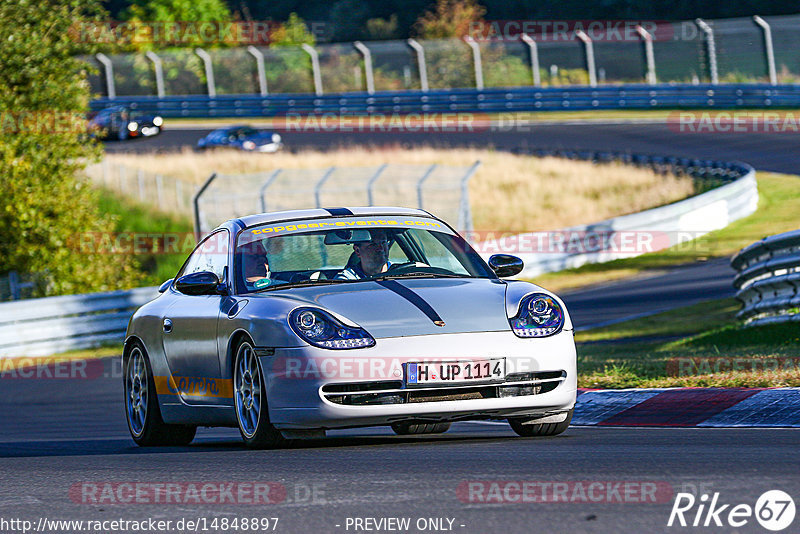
(295, 378)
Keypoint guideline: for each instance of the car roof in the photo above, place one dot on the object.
(330, 213)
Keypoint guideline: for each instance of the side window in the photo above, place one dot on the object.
(211, 255)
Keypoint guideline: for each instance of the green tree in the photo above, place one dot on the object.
(47, 209)
(293, 32)
(450, 18)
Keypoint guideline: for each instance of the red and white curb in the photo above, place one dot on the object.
(689, 407)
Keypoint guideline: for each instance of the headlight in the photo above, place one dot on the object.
(158, 121)
(321, 329)
(276, 138)
(133, 126)
(539, 315)
(248, 145)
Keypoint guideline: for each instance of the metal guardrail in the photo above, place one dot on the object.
(518, 99)
(735, 197)
(768, 279)
(38, 327)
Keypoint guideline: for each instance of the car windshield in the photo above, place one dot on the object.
(352, 249)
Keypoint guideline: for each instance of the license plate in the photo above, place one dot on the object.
(458, 372)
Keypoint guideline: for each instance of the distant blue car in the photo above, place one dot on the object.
(242, 137)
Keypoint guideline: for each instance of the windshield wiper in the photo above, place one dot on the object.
(301, 283)
(418, 275)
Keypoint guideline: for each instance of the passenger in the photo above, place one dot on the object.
(373, 257)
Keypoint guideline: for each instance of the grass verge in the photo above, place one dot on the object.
(509, 192)
(713, 350)
(778, 211)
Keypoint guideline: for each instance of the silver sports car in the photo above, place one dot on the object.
(288, 324)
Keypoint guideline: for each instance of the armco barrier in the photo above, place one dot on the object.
(37, 327)
(660, 227)
(517, 99)
(768, 279)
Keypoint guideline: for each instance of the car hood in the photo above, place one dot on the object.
(396, 308)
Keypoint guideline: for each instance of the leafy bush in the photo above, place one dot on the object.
(45, 208)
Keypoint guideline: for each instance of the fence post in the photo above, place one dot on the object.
(212, 87)
(262, 75)
(587, 41)
(423, 70)
(320, 183)
(108, 67)
(773, 75)
(178, 193)
(420, 183)
(140, 181)
(534, 52)
(371, 183)
(712, 50)
(13, 285)
(314, 67)
(464, 211)
(264, 187)
(159, 70)
(160, 191)
(648, 52)
(361, 47)
(196, 203)
(476, 61)
(106, 175)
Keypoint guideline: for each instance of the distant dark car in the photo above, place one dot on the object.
(118, 122)
(243, 138)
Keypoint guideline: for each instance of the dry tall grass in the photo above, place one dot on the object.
(508, 193)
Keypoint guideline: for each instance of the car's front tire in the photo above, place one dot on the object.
(540, 429)
(250, 400)
(141, 405)
(407, 429)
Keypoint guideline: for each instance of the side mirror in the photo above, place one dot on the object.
(201, 283)
(505, 265)
(163, 287)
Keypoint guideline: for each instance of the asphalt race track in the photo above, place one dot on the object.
(60, 436)
(765, 151)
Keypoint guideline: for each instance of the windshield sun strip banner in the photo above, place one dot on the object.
(341, 223)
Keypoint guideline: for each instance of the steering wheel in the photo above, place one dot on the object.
(412, 267)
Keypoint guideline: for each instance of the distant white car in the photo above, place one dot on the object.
(244, 138)
(273, 325)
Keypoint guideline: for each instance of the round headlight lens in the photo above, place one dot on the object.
(321, 329)
(276, 138)
(539, 315)
(158, 121)
(306, 320)
(133, 126)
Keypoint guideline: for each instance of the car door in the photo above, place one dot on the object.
(189, 328)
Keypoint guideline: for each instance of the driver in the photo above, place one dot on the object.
(256, 266)
(373, 256)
